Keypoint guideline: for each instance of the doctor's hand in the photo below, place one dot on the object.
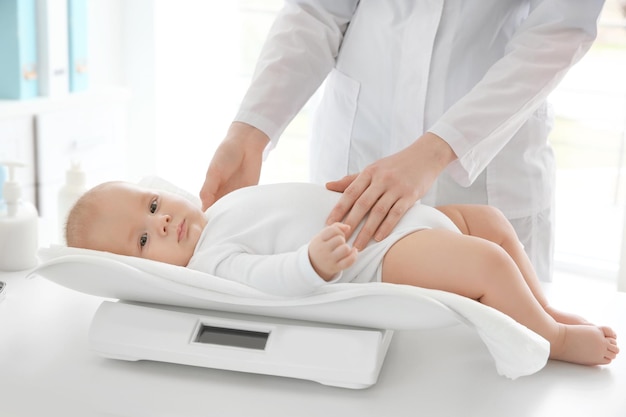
(236, 163)
(329, 252)
(386, 189)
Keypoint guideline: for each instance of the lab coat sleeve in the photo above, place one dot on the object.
(555, 35)
(284, 274)
(298, 54)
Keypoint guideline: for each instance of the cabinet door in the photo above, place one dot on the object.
(17, 144)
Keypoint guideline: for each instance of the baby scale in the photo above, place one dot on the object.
(338, 336)
(331, 354)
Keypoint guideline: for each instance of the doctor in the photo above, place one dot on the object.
(443, 101)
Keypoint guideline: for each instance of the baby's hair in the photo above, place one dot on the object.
(82, 215)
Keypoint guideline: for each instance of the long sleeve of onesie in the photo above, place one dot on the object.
(286, 274)
(259, 236)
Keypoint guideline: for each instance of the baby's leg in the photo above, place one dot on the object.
(489, 223)
(482, 270)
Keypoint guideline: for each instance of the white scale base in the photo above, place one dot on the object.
(342, 356)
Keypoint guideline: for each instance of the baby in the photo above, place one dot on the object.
(273, 238)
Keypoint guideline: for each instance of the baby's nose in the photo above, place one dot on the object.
(163, 223)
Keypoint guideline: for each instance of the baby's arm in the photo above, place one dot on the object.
(329, 252)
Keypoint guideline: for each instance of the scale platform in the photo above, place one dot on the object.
(335, 355)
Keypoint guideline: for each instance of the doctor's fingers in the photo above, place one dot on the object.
(373, 204)
(221, 170)
(341, 184)
(221, 179)
(382, 219)
(214, 188)
(208, 192)
(355, 202)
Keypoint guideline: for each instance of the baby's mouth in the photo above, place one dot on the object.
(180, 230)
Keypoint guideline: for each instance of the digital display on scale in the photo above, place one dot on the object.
(232, 337)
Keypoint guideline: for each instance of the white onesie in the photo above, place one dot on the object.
(259, 236)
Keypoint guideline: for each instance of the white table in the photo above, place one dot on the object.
(47, 369)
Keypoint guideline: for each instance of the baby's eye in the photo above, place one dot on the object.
(143, 240)
(153, 206)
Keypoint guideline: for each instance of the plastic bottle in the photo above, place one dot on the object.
(19, 226)
(73, 188)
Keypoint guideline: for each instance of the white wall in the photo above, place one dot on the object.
(121, 55)
(178, 61)
(138, 54)
(197, 52)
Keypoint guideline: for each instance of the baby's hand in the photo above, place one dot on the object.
(329, 253)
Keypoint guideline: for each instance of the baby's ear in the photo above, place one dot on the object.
(158, 183)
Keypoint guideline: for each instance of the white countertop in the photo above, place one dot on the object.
(47, 369)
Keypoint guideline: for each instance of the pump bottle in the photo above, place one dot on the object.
(19, 222)
(69, 193)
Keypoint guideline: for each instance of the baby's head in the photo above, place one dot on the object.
(128, 219)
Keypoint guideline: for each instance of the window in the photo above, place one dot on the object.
(589, 142)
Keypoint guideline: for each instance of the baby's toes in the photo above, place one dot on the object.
(608, 332)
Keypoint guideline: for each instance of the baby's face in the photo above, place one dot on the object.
(148, 224)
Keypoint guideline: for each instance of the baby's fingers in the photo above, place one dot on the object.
(345, 256)
(344, 228)
(333, 230)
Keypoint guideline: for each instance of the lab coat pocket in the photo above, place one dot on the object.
(332, 128)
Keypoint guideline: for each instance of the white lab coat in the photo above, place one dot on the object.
(476, 73)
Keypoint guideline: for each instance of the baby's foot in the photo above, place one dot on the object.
(565, 317)
(585, 345)
(608, 332)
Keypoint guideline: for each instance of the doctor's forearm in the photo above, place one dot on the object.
(546, 45)
(252, 135)
(298, 54)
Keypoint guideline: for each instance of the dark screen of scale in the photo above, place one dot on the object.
(232, 337)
